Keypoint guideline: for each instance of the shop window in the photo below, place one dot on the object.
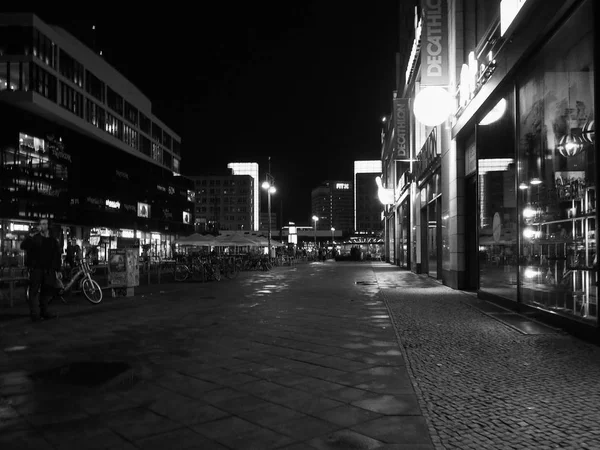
(497, 222)
(557, 173)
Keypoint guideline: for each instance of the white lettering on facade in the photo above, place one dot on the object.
(401, 129)
(434, 38)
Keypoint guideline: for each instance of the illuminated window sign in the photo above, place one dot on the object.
(112, 204)
(342, 186)
(186, 217)
(143, 210)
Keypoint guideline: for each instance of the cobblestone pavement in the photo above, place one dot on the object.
(300, 358)
(484, 385)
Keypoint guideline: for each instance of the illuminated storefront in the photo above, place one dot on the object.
(89, 190)
(530, 166)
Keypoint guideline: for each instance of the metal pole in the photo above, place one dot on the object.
(269, 210)
(315, 235)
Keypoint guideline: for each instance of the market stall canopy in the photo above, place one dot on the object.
(235, 241)
(198, 240)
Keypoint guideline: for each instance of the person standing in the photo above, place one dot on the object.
(73, 253)
(43, 261)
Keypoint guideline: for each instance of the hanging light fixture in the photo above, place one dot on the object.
(571, 144)
(588, 132)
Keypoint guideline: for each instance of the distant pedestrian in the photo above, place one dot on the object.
(43, 261)
(73, 253)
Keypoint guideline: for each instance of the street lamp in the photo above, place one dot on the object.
(315, 219)
(332, 234)
(270, 190)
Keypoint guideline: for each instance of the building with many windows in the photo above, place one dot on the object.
(251, 169)
(367, 208)
(79, 144)
(332, 203)
(224, 202)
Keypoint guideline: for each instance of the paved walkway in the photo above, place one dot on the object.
(485, 385)
(297, 358)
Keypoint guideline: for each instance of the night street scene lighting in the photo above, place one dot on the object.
(164, 284)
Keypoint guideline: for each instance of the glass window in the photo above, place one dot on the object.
(176, 147)
(557, 173)
(145, 124)
(114, 126)
(114, 101)
(15, 40)
(95, 114)
(42, 82)
(24, 76)
(145, 146)
(43, 48)
(168, 160)
(131, 113)
(166, 140)
(71, 69)
(71, 100)
(156, 133)
(4, 74)
(497, 221)
(94, 86)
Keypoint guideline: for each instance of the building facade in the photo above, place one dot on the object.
(503, 187)
(367, 208)
(332, 203)
(224, 202)
(251, 169)
(79, 145)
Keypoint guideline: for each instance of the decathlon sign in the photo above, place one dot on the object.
(402, 144)
(434, 43)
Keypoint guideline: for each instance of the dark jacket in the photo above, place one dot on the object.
(35, 248)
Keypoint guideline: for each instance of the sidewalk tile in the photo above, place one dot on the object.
(407, 430)
(184, 439)
(138, 423)
(261, 439)
(305, 428)
(225, 427)
(405, 405)
(345, 439)
(271, 415)
(185, 410)
(24, 440)
(346, 415)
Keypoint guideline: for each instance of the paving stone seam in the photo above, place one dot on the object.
(433, 434)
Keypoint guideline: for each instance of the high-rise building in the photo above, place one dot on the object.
(332, 203)
(250, 168)
(79, 144)
(224, 202)
(367, 207)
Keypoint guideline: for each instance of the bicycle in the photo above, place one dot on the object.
(82, 276)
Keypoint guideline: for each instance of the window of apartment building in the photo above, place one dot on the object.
(168, 160)
(14, 76)
(130, 136)
(156, 132)
(131, 113)
(114, 126)
(71, 100)
(42, 82)
(145, 124)
(94, 86)
(157, 153)
(176, 147)
(114, 101)
(43, 48)
(71, 69)
(176, 163)
(95, 114)
(145, 146)
(167, 140)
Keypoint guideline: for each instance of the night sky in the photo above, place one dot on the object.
(303, 82)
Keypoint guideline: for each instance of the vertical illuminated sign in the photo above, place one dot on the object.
(434, 43)
(402, 143)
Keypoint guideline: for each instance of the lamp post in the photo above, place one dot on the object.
(315, 219)
(268, 186)
(332, 234)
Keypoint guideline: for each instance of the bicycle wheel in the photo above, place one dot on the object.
(92, 290)
(181, 272)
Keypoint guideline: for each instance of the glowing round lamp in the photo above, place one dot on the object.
(495, 114)
(386, 196)
(433, 105)
(570, 145)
